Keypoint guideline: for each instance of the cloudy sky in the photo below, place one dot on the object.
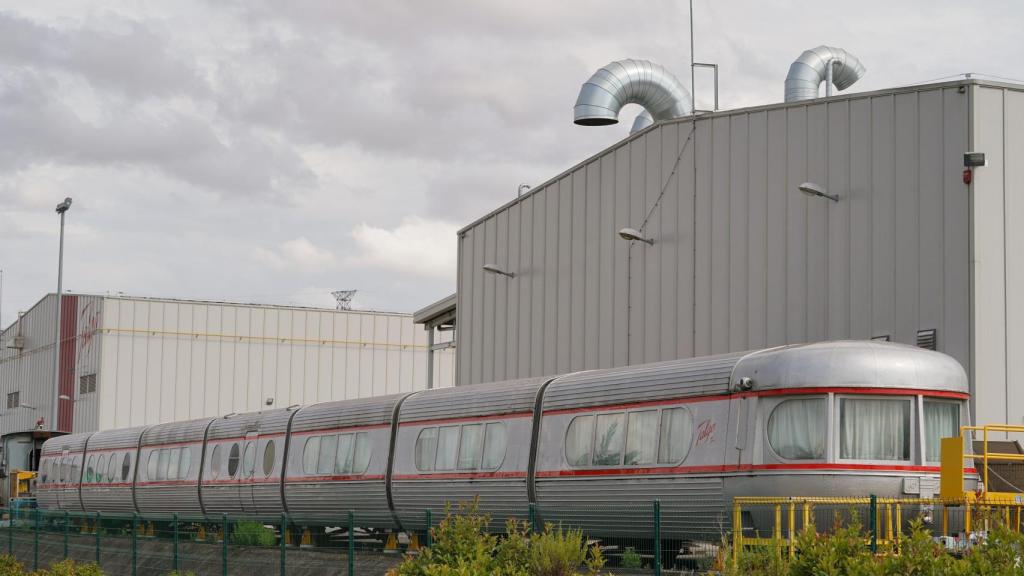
(264, 151)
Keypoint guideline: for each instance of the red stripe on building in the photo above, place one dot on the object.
(66, 365)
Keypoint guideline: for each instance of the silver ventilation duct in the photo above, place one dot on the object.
(822, 64)
(642, 120)
(630, 82)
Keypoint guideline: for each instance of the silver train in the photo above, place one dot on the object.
(592, 449)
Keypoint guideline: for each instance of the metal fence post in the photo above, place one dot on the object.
(10, 532)
(224, 546)
(67, 522)
(135, 543)
(657, 538)
(284, 527)
(533, 517)
(873, 524)
(176, 542)
(97, 538)
(35, 553)
(351, 543)
(430, 528)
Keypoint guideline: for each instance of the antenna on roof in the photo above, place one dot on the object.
(344, 298)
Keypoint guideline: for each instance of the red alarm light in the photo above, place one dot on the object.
(967, 176)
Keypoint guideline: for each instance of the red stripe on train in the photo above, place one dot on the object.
(740, 468)
(460, 475)
(773, 392)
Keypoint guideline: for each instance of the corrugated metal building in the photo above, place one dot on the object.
(741, 259)
(129, 361)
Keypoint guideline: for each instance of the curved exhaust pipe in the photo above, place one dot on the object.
(642, 120)
(630, 82)
(822, 64)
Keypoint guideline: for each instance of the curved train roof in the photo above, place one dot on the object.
(508, 397)
(852, 364)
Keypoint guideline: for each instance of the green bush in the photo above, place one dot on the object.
(462, 546)
(631, 558)
(249, 533)
(9, 566)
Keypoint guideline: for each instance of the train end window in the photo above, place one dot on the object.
(126, 467)
(185, 462)
(797, 429)
(233, 456)
(447, 448)
(471, 447)
(426, 446)
(609, 437)
(495, 443)
(268, 458)
(941, 420)
(579, 441)
(328, 452)
(309, 455)
(676, 435)
(215, 460)
(249, 460)
(361, 450)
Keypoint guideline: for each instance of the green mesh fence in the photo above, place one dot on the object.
(634, 538)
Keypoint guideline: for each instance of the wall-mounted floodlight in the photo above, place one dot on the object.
(812, 189)
(634, 234)
(493, 269)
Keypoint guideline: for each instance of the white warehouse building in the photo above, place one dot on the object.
(129, 361)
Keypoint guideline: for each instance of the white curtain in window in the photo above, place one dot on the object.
(796, 429)
(941, 420)
(578, 441)
(676, 434)
(642, 438)
(447, 448)
(874, 429)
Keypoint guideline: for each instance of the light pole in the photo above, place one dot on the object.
(61, 209)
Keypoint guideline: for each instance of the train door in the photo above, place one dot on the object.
(246, 475)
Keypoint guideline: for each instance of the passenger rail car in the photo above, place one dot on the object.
(590, 449)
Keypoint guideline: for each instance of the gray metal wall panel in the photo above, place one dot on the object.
(1013, 176)
(740, 258)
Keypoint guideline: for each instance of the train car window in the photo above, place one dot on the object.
(126, 467)
(76, 470)
(874, 429)
(447, 448)
(676, 435)
(233, 460)
(797, 429)
(344, 460)
(249, 459)
(162, 460)
(101, 468)
(579, 441)
(328, 452)
(941, 420)
(112, 468)
(89, 468)
(426, 445)
(471, 447)
(268, 458)
(173, 461)
(310, 454)
(361, 459)
(495, 441)
(151, 463)
(215, 462)
(185, 462)
(608, 441)
(641, 438)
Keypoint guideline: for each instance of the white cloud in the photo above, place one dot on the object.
(416, 246)
(299, 253)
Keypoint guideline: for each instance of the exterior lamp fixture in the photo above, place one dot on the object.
(493, 269)
(634, 234)
(814, 190)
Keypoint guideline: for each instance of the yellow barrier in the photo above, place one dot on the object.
(889, 514)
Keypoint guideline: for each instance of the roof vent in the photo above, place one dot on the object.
(834, 66)
(623, 82)
(927, 339)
